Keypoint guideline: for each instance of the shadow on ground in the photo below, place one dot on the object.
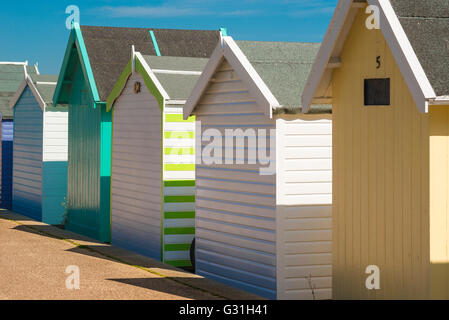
(160, 284)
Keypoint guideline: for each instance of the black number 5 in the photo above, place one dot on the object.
(378, 62)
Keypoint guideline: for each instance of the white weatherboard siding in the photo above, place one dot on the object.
(54, 166)
(136, 172)
(304, 206)
(235, 205)
(55, 142)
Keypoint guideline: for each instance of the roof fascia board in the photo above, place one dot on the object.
(149, 73)
(325, 53)
(399, 45)
(203, 80)
(402, 50)
(151, 82)
(250, 77)
(62, 72)
(85, 62)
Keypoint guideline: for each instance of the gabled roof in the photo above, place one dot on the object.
(275, 72)
(42, 87)
(167, 78)
(417, 33)
(107, 50)
(11, 76)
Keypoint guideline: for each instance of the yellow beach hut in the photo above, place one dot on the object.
(384, 67)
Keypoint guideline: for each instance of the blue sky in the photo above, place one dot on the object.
(35, 30)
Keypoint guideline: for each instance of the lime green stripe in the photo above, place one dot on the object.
(178, 118)
(179, 167)
(179, 199)
(174, 231)
(177, 247)
(179, 183)
(180, 215)
(179, 151)
(179, 263)
(179, 135)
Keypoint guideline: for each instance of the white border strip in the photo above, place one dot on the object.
(190, 73)
(152, 76)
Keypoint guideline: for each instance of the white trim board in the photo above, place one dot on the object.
(150, 73)
(181, 72)
(229, 50)
(342, 20)
(14, 63)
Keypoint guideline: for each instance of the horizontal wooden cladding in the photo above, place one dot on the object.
(236, 185)
(307, 164)
(27, 156)
(55, 145)
(305, 251)
(136, 172)
(239, 220)
(248, 173)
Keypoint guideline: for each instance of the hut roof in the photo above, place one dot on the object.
(177, 75)
(11, 76)
(108, 48)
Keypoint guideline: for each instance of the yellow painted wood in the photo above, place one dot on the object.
(381, 177)
(439, 194)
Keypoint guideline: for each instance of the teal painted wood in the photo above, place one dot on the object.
(27, 157)
(88, 191)
(54, 191)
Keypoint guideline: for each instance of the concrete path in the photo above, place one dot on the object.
(34, 258)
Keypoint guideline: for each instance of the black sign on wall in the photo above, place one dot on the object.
(377, 92)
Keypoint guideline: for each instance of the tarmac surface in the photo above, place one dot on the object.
(41, 262)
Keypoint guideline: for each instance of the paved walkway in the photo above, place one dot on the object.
(34, 257)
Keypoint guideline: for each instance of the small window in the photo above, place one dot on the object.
(377, 92)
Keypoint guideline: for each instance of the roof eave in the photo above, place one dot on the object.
(76, 37)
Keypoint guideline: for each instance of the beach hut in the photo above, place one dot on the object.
(263, 172)
(94, 59)
(39, 151)
(153, 164)
(11, 76)
(384, 67)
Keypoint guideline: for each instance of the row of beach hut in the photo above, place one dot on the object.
(114, 148)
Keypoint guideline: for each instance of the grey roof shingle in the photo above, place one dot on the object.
(426, 24)
(46, 90)
(11, 76)
(284, 67)
(178, 86)
(109, 48)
